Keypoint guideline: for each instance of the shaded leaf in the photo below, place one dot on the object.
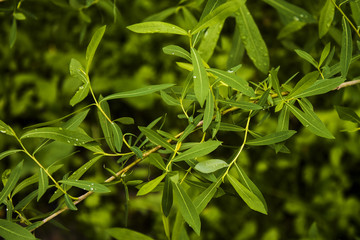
(13, 231)
(320, 87)
(12, 35)
(156, 138)
(237, 50)
(209, 111)
(275, 81)
(209, 41)
(198, 150)
(348, 114)
(201, 80)
(307, 57)
(169, 100)
(9, 152)
(157, 27)
(187, 208)
(205, 197)
(118, 136)
(251, 37)
(167, 197)
(105, 124)
(177, 51)
(324, 53)
(26, 200)
(94, 43)
(290, 28)
(326, 18)
(138, 92)
(346, 48)
(43, 183)
(126, 234)
(69, 203)
(86, 185)
(58, 134)
(211, 165)
(271, 138)
(149, 186)
(157, 161)
(304, 83)
(11, 181)
(249, 197)
(242, 104)
(77, 71)
(76, 120)
(233, 81)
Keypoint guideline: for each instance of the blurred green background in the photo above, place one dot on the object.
(315, 187)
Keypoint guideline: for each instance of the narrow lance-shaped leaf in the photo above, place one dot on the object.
(157, 27)
(6, 129)
(138, 92)
(9, 152)
(157, 161)
(156, 138)
(149, 186)
(210, 166)
(177, 51)
(76, 120)
(167, 197)
(209, 41)
(12, 231)
(86, 185)
(326, 18)
(126, 234)
(348, 114)
(275, 81)
(187, 208)
(201, 80)
(307, 57)
(118, 136)
(237, 50)
(249, 197)
(69, 203)
(242, 104)
(346, 48)
(198, 150)
(233, 81)
(59, 134)
(251, 37)
(209, 111)
(311, 122)
(12, 35)
(94, 43)
(271, 138)
(324, 53)
(320, 87)
(304, 83)
(80, 94)
(105, 124)
(43, 183)
(11, 182)
(205, 197)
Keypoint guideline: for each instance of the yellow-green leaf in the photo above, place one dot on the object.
(326, 18)
(271, 138)
(157, 27)
(201, 80)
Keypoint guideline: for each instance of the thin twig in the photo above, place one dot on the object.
(347, 84)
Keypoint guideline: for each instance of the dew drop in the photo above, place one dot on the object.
(76, 180)
(172, 53)
(7, 209)
(296, 18)
(194, 77)
(76, 139)
(3, 131)
(230, 71)
(92, 184)
(307, 125)
(60, 128)
(68, 141)
(302, 15)
(91, 189)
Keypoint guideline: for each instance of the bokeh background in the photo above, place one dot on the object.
(315, 188)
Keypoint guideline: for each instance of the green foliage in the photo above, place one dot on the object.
(228, 107)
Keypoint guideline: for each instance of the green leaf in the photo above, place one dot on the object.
(12, 35)
(13, 231)
(249, 197)
(126, 234)
(251, 37)
(80, 94)
(326, 18)
(271, 138)
(77, 71)
(211, 165)
(209, 111)
(149, 186)
(204, 198)
(86, 185)
(69, 203)
(160, 16)
(157, 161)
(125, 120)
(74, 122)
(105, 125)
(209, 41)
(187, 208)
(118, 136)
(320, 87)
(177, 51)
(19, 16)
(157, 27)
(190, 128)
(216, 16)
(6, 129)
(169, 100)
(11, 181)
(290, 28)
(237, 50)
(230, 127)
(233, 81)
(93, 45)
(291, 11)
(138, 92)
(9, 152)
(307, 57)
(198, 150)
(304, 83)
(347, 114)
(167, 197)
(346, 48)
(283, 120)
(324, 53)
(275, 81)
(310, 121)
(156, 138)
(26, 200)
(242, 104)
(75, 176)
(58, 134)
(201, 80)
(43, 183)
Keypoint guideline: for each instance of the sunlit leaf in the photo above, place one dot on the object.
(348, 114)
(233, 81)
(94, 43)
(126, 234)
(118, 136)
(6, 129)
(326, 18)
(69, 203)
(177, 51)
(80, 94)
(271, 138)
(187, 208)
(190, 128)
(251, 37)
(304, 83)
(149, 186)
(230, 127)
(320, 87)
(198, 150)
(155, 138)
(43, 183)
(346, 48)
(157, 161)
(211, 165)
(77, 71)
(11, 181)
(324, 53)
(12, 231)
(242, 104)
(86, 185)
(205, 197)
(249, 197)
(209, 111)
(167, 197)
(157, 27)
(201, 80)
(307, 57)
(209, 41)
(138, 92)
